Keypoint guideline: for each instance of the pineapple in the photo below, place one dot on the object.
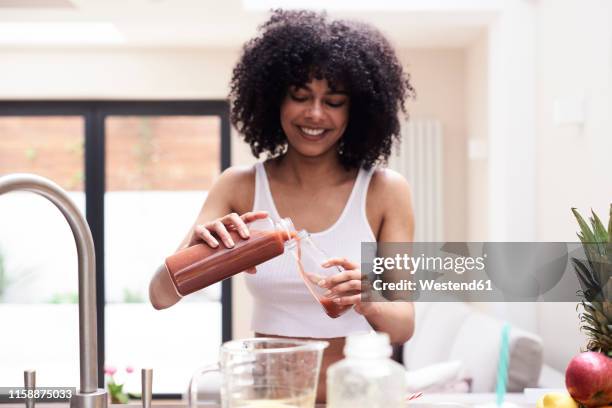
(595, 277)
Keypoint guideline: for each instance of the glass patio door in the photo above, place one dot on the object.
(140, 171)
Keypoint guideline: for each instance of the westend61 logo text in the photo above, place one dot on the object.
(413, 264)
(474, 271)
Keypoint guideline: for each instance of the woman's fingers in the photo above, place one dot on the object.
(314, 277)
(363, 304)
(206, 236)
(221, 231)
(238, 224)
(348, 300)
(345, 287)
(252, 270)
(343, 262)
(346, 275)
(253, 215)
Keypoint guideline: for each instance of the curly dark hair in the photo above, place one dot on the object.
(294, 46)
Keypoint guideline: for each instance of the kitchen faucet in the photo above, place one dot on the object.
(89, 395)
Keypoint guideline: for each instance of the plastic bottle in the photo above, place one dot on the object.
(366, 377)
(199, 266)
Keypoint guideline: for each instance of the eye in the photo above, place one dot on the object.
(298, 98)
(336, 103)
(298, 94)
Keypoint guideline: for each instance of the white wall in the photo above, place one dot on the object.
(501, 140)
(510, 146)
(438, 76)
(115, 73)
(574, 50)
(574, 57)
(511, 125)
(477, 135)
(569, 43)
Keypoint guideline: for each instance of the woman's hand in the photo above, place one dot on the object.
(349, 287)
(212, 231)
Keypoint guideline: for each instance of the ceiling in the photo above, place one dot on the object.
(228, 23)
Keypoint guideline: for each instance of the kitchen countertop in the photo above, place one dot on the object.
(426, 401)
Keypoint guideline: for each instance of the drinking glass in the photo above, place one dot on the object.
(309, 259)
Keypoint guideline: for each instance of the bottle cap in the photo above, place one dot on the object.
(368, 345)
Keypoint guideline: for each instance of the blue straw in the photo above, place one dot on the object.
(502, 367)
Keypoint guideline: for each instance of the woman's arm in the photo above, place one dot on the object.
(391, 192)
(220, 201)
(395, 318)
(216, 214)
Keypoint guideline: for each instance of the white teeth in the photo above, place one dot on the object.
(312, 132)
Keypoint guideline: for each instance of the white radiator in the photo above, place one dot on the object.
(419, 158)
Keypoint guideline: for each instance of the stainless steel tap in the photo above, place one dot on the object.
(29, 382)
(147, 387)
(89, 395)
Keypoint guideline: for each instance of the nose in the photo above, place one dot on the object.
(314, 112)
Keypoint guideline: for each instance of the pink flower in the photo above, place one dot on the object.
(110, 370)
(129, 369)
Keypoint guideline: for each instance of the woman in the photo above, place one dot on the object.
(321, 99)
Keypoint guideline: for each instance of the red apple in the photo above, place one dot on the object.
(588, 379)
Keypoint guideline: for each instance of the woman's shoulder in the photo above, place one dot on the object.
(388, 183)
(236, 176)
(237, 184)
(390, 197)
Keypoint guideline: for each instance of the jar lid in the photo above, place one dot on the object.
(368, 345)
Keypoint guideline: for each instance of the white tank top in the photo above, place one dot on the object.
(282, 304)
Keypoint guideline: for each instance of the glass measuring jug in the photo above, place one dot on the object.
(266, 372)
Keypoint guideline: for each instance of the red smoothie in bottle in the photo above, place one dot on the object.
(200, 265)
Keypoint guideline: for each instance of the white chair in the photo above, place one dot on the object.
(454, 331)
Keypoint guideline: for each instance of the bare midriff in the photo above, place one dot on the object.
(333, 353)
(199, 266)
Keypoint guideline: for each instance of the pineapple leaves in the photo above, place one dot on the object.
(609, 248)
(595, 278)
(587, 280)
(610, 227)
(601, 235)
(585, 235)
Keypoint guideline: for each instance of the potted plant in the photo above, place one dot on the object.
(115, 390)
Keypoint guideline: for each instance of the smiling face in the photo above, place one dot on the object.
(314, 117)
